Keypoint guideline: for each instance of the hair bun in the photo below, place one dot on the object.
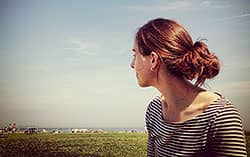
(208, 63)
(198, 63)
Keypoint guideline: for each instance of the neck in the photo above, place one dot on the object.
(177, 93)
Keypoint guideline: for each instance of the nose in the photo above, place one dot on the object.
(132, 64)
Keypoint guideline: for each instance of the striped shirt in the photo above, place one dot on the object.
(217, 131)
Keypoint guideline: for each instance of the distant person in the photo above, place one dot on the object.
(186, 120)
(13, 127)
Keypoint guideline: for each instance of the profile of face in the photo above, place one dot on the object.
(143, 67)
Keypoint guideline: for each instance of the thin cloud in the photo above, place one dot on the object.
(162, 7)
(214, 4)
(234, 17)
(87, 48)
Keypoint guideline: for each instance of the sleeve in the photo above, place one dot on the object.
(228, 134)
(150, 144)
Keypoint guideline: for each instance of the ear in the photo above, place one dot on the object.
(155, 61)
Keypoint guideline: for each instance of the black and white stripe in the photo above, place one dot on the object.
(216, 132)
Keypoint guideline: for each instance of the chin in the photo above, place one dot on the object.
(143, 84)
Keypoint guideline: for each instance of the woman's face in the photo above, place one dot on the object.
(142, 67)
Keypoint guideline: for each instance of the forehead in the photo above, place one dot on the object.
(135, 45)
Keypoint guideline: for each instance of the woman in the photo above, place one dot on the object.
(186, 120)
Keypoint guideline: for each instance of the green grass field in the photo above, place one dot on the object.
(68, 144)
(82, 144)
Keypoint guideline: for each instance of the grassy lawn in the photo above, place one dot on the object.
(82, 144)
(67, 144)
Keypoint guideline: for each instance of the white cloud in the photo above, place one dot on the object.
(162, 7)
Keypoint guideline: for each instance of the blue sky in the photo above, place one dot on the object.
(66, 63)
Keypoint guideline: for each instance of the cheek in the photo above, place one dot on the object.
(139, 65)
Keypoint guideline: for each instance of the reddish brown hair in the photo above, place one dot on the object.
(174, 45)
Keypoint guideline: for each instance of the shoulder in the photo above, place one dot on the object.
(227, 113)
(154, 104)
(154, 108)
(221, 104)
(224, 106)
